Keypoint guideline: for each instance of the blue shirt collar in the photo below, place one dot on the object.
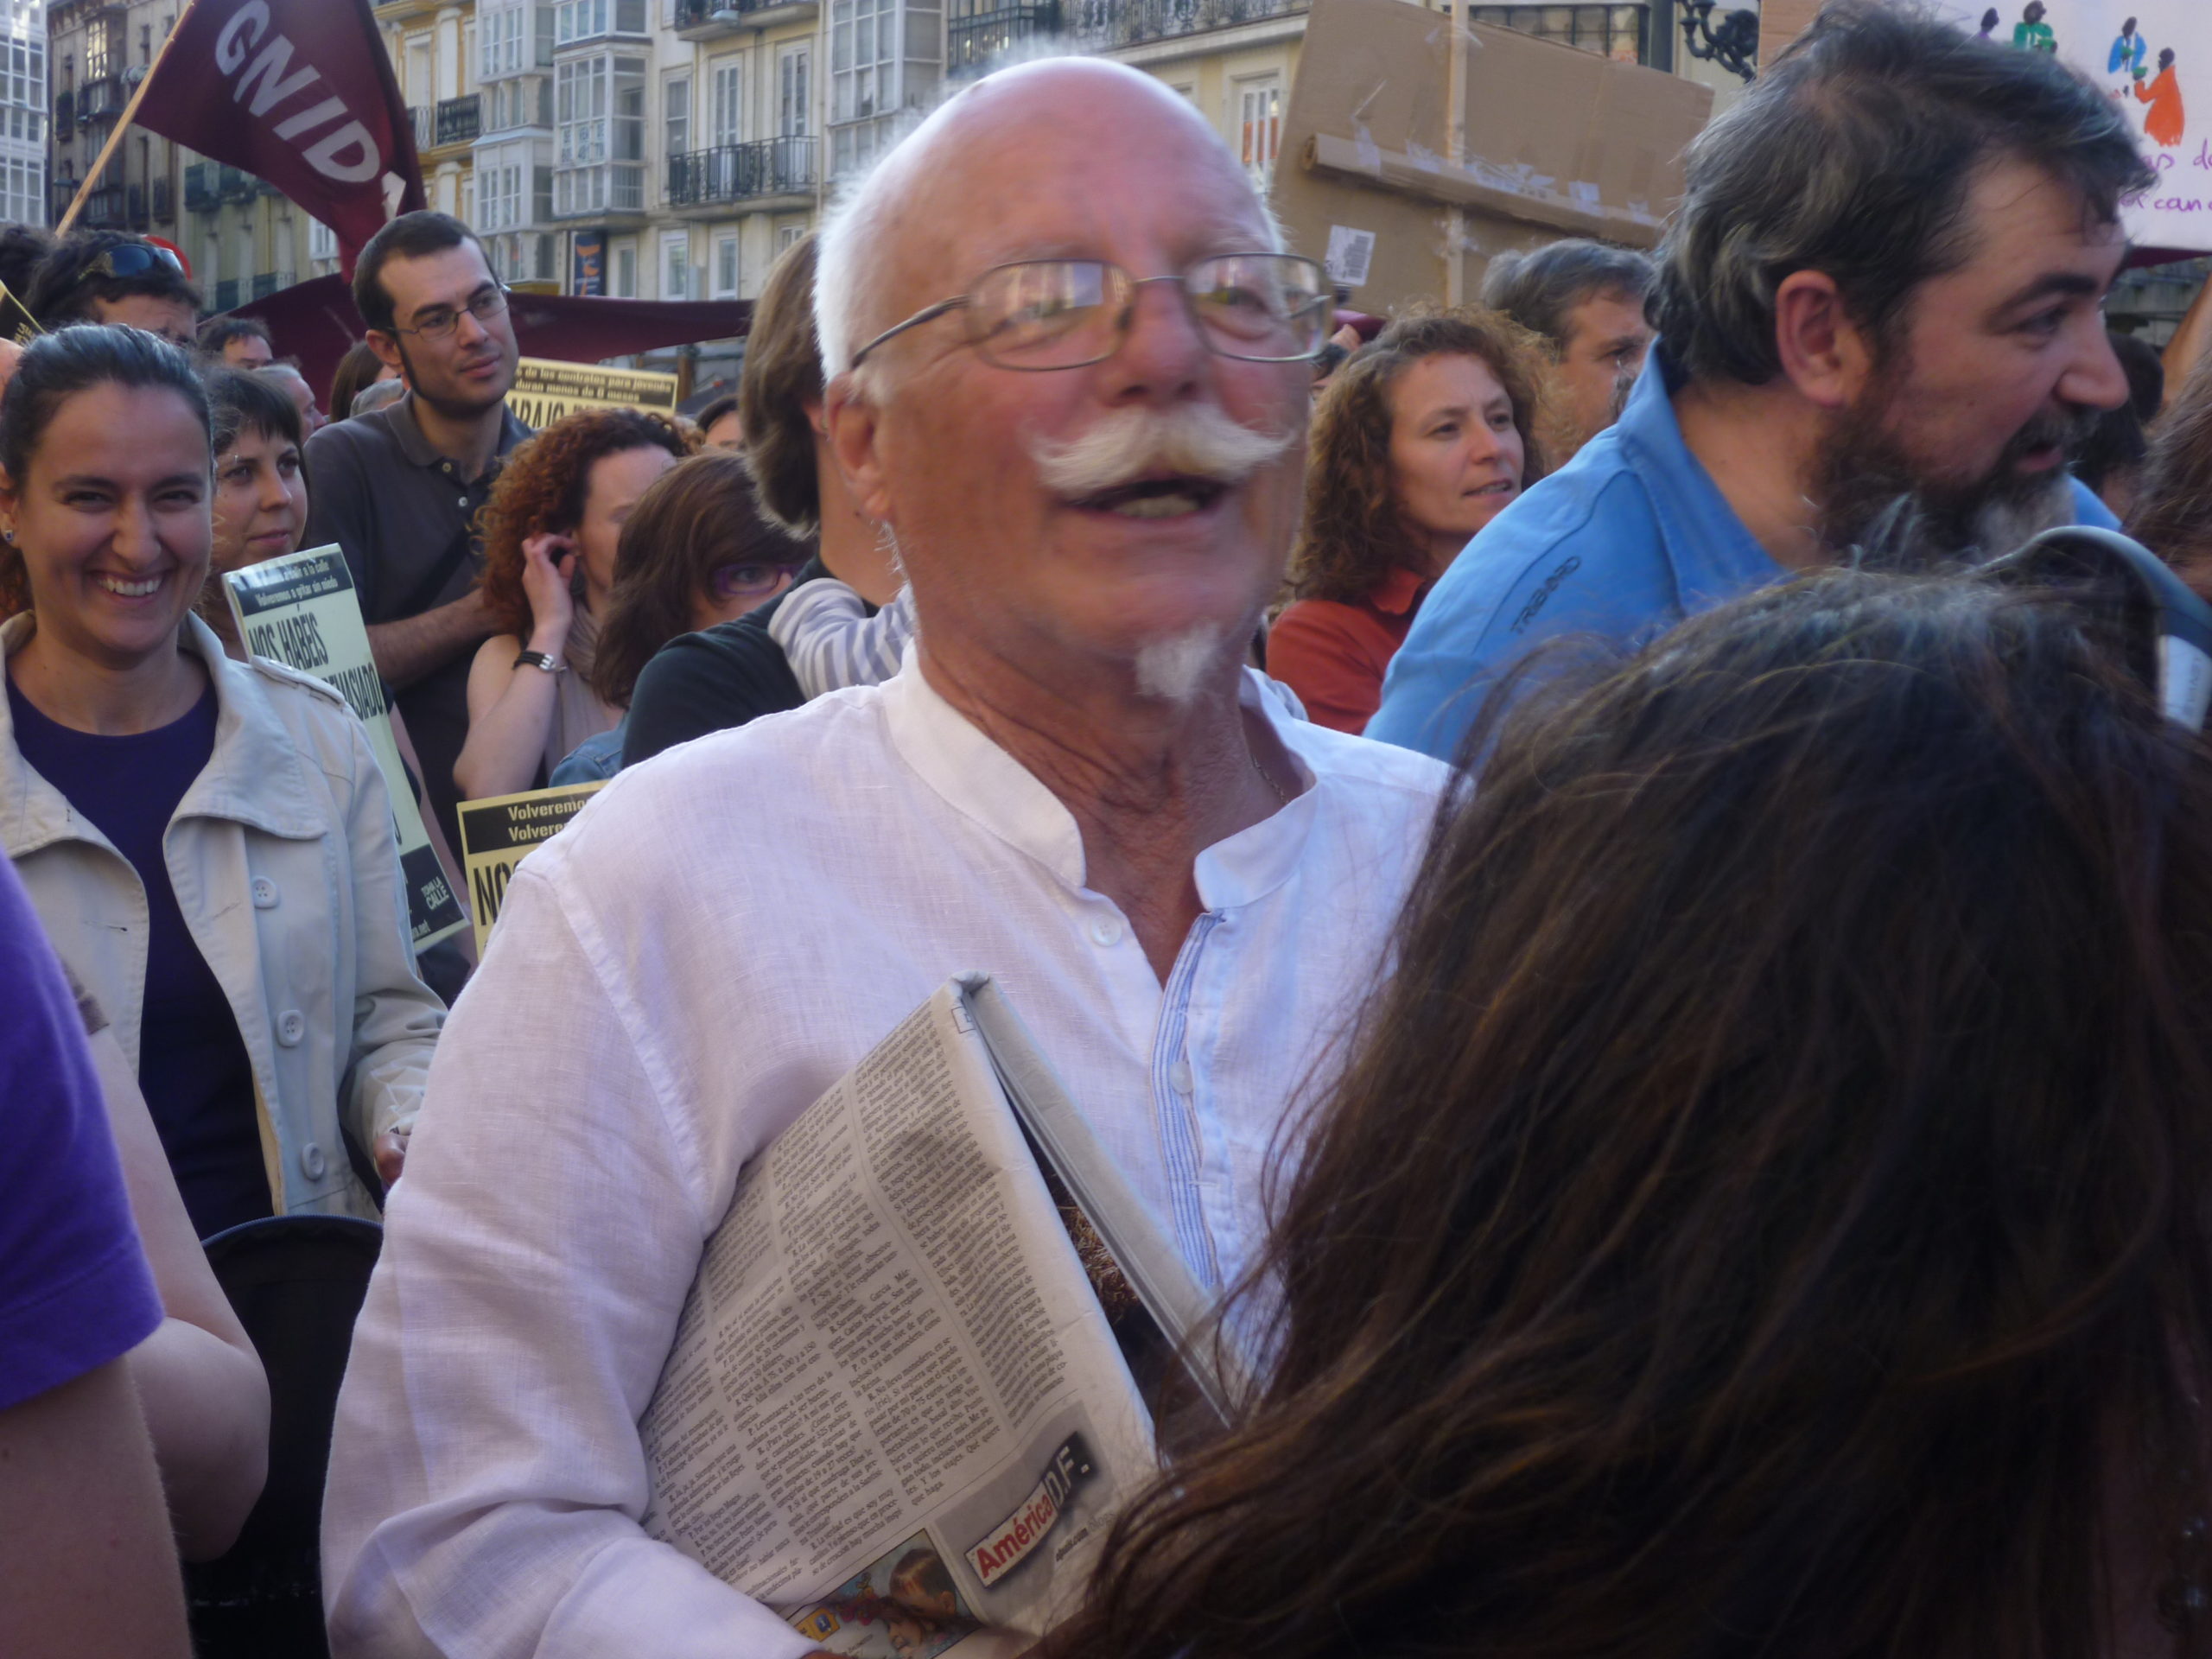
(1713, 556)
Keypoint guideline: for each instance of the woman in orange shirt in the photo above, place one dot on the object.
(2166, 124)
(1421, 439)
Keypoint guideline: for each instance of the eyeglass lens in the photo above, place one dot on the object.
(436, 324)
(746, 581)
(1050, 314)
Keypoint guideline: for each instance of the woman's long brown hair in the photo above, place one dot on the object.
(1354, 532)
(1765, 1209)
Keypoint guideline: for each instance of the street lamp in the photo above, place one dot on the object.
(1734, 45)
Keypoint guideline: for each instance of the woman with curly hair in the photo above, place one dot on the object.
(1421, 439)
(551, 533)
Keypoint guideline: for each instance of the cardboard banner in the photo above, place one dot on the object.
(1558, 143)
(499, 831)
(546, 389)
(2154, 59)
(300, 610)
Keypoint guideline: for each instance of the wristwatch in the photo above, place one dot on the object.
(545, 660)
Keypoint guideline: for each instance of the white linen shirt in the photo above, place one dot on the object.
(718, 938)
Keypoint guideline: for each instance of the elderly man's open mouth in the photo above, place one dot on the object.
(1170, 496)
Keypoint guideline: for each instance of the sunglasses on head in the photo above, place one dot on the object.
(130, 259)
(2167, 628)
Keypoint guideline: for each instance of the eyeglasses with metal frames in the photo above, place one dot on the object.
(1037, 314)
(439, 323)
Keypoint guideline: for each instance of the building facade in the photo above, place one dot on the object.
(650, 149)
(23, 111)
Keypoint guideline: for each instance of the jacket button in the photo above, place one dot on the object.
(291, 1026)
(265, 893)
(312, 1162)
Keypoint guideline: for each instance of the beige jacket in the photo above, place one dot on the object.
(284, 863)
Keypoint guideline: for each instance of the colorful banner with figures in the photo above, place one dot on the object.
(2154, 59)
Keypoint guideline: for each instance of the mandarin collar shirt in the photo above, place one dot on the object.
(1626, 540)
(720, 935)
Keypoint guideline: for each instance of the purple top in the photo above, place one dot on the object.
(192, 1066)
(75, 1291)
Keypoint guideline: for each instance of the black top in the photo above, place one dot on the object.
(707, 682)
(404, 519)
(192, 1066)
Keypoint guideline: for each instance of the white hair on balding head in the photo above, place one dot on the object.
(848, 250)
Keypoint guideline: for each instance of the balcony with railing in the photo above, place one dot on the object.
(975, 38)
(978, 31)
(236, 184)
(100, 99)
(423, 117)
(269, 281)
(709, 20)
(202, 189)
(65, 116)
(458, 119)
(730, 173)
(137, 208)
(605, 191)
(59, 194)
(1615, 30)
(227, 294)
(164, 202)
(104, 209)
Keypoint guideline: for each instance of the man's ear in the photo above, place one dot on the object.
(386, 347)
(1825, 355)
(854, 428)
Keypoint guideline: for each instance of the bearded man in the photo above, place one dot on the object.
(1067, 364)
(1880, 323)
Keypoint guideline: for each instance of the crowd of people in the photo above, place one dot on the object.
(1622, 869)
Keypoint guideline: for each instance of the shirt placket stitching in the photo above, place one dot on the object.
(1179, 1132)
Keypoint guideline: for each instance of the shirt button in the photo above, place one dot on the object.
(1179, 1078)
(312, 1162)
(265, 893)
(291, 1026)
(1107, 929)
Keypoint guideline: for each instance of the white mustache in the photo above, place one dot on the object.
(1190, 440)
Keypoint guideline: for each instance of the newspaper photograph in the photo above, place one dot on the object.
(895, 1410)
(301, 611)
(497, 832)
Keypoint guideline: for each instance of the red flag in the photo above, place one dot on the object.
(299, 92)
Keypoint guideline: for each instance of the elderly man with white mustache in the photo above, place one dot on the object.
(1069, 377)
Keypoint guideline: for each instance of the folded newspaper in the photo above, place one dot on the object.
(895, 1410)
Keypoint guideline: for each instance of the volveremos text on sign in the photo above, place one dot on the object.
(498, 831)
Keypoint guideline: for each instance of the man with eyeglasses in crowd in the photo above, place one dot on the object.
(398, 488)
(1067, 374)
(112, 277)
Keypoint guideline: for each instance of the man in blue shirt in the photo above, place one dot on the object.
(1880, 317)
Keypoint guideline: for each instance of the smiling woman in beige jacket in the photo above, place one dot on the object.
(277, 855)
